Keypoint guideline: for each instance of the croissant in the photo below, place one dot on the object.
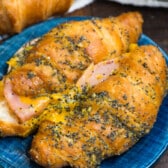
(55, 63)
(107, 119)
(15, 15)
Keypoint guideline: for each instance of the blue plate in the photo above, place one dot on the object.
(14, 150)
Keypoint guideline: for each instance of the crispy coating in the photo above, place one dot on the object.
(109, 119)
(62, 55)
(56, 61)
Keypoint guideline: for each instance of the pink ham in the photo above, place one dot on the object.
(23, 111)
(95, 74)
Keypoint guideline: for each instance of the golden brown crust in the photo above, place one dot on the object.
(112, 118)
(59, 58)
(15, 15)
(71, 47)
(141, 81)
(13, 129)
(135, 19)
(55, 160)
(83, 144)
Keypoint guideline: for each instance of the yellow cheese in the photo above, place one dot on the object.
(133, 46)
(13, 62)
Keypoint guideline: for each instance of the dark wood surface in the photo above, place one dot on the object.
(155, 26)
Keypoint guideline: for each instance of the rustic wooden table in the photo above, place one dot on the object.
(155, 26)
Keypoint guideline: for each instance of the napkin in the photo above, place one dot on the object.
(79, 4)
(150, 3)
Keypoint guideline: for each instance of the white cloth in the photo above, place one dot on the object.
(79, 4)
(151, 3)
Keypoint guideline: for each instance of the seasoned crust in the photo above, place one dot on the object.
(110, 118)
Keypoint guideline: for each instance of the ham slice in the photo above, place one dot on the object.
(95, 74)
(24, 108)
